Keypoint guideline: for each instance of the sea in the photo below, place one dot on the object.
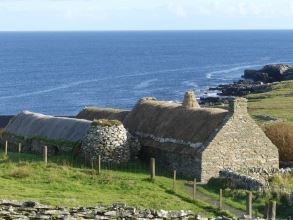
(59, 73)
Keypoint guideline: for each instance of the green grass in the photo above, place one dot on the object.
(237, 198)
(64, 185)
(277, 103)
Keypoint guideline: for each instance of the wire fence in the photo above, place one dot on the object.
(148, 167)
(15, 153)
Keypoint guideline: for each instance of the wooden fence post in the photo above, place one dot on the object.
(221, 199)
(267, 209)
(46, 154)
(194, 189)
(92, 164)
(19, 147)
(256, 213)
(174, 181)
(99, 164)
(273, 210)
(249, 204)
(6, 148)
(153, 168)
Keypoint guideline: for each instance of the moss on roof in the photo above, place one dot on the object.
(106, 122)
(92, 113)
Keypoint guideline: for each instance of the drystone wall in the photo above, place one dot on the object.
(112, 143)
(33, 210)
(243, 181)
(239, 144)
(172, 156)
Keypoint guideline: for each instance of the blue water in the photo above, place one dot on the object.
(60, 73)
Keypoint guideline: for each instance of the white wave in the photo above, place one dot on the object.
(208, 75)
(64, 86)
(145, 84)
(190, 84)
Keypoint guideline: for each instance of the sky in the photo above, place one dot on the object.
(99, 15)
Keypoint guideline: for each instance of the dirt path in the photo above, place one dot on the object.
(238, 213)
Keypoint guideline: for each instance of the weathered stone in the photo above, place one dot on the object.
(190, 100)
(112, 143)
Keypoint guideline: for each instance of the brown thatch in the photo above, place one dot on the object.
(4, 120)
(171, 120)
(92, 113)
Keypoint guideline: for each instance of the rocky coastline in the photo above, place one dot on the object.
(254, 81)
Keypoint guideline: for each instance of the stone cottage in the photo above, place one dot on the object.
(200, 142)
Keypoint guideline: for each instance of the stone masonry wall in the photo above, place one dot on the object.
(112, 143)
(32, 210)
(185, 160)
(239, 144)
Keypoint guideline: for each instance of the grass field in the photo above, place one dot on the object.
(237, 198)
(64, 185)
(277, 104)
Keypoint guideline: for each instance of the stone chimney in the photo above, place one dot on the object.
(190, 100)
(238, 106)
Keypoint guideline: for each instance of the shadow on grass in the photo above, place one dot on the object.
(205, 206)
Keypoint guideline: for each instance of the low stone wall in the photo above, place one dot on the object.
(242, 181)
(33, 210)
(113, 143)
(254, 178)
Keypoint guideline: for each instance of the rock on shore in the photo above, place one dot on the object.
(256, 81)
(270, 73)
(242, 88)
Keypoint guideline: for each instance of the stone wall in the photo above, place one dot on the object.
(239, 144)
(112, 143)
(243, 181)
(190, 100)
(33, 210)
(171, 156)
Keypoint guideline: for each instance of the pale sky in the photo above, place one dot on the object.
(65, 15)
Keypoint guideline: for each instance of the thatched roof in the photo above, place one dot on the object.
(29, 124)
(171, 120)
(92, 113)
(4, 119)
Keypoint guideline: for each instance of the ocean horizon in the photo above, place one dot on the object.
(59, 73)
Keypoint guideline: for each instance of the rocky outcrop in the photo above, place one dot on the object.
(242, 88)
(270, 73)
(256, 81)
(112, 142)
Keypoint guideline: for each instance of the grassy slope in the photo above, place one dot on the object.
(277, 103)
(237, 199)
(69, 186)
